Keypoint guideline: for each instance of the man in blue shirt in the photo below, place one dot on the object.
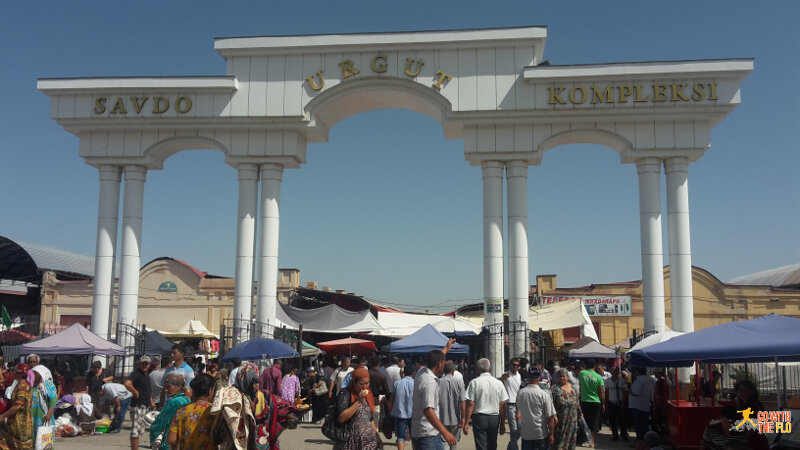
(178, 366)
(401, 405)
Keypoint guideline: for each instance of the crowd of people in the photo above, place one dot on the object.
(431, 402)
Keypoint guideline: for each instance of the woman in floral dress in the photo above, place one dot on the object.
(568, 410)
(357, 404)
(192, 425)
(290, 386)
(17, 432)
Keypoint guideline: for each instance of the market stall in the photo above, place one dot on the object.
(75, 340)
(770, 338)
(424, 340)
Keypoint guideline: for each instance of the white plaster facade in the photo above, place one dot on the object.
(487, 87)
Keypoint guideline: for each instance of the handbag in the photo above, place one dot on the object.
(321, 390)
(45, 437)
(333, 430)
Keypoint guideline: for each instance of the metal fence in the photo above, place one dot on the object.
(132, 339)
(774, 386)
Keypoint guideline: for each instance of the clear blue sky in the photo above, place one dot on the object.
(388, 208)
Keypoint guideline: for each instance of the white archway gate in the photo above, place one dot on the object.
(488, 87)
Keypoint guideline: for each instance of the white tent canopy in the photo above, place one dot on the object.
(557, 316)
(327, 319)
(191, 329)
(406, 324)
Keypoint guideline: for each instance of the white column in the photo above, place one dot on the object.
(680, 248)
(107, 220)
(245, 244)
(652, 253)
(517, 187)
(131, 244)
(493, 260)
(271, 176)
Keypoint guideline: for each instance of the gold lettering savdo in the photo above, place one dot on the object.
(410, 62)
(659, 93)
(379, 64)
(677, 92)
(637, 90)
(698, 94)
(138, 106)
(625, 91)
(572, 97)
(99, 105)
(314, 84)
(599, 96)
(555, 96)
(119, 107)
(348, 70)
(442, 77)
(186, 102)
(713, 88)
(160, 105)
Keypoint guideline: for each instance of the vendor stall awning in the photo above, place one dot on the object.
(327, 319)
(405, 324)
(75, 340)
(764, 339)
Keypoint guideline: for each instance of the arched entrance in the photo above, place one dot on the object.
(487, 87)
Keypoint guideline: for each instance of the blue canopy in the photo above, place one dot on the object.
(424, 340)
(763, 339)
(259, 348)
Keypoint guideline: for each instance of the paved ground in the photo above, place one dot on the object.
(305, 437)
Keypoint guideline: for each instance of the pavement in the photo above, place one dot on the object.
(304, 437)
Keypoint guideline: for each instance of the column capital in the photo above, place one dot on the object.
(110, 172)
(648, 165)
(676, 164)
(516, 168)
(247, 172)
(271, 171)
(135, 172)
(492, 169)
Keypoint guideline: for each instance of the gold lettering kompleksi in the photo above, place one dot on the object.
(654, 93)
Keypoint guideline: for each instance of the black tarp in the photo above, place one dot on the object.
(156, 344)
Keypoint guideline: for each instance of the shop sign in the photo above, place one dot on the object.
(167, 286)
(596, 305)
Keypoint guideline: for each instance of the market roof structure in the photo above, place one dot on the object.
(786, 276)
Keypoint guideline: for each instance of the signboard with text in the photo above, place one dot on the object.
(596, 305)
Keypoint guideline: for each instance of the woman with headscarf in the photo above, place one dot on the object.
(16, 426)
(247, 383)
(45, 398)
(290, 386)
(567, 404)
(356, 404)
(174, 384)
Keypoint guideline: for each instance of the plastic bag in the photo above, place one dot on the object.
(45, 438)
(584, 434)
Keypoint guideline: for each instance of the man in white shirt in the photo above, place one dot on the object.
(232, 377)
(486, 406)
(639, 399)
(427, 430)
(535, 413)
(512, 380)
(337, 377)
(394, 371)
(616, 393)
